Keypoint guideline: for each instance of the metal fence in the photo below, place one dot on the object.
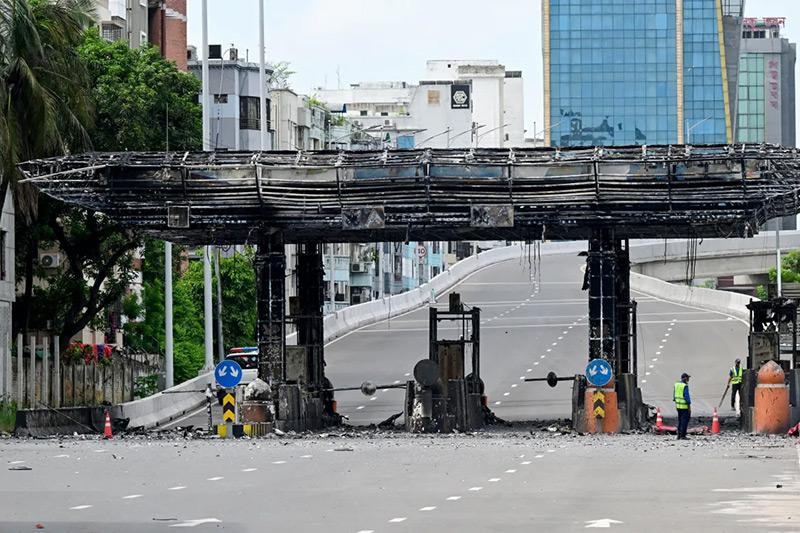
(47, 380)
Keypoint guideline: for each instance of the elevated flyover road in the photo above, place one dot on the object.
(533, 321)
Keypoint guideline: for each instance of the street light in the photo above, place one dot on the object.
(474, 128)
(485, 133)
(448, 130)
(690, 128)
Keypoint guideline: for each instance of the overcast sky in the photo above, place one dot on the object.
(332, 43)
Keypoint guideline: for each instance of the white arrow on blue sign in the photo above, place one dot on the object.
(228, 374)
(599, 372)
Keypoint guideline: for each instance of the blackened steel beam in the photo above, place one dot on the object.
(270, 264)
(310, 293)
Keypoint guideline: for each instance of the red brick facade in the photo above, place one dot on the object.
(167, 29)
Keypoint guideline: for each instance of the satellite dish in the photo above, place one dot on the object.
(426, 372)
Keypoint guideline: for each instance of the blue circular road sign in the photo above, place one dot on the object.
(228, 374)
(599, 372)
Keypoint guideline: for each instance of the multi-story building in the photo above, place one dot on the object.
(766, 84)
(125, 20)
(619, 72)
(299, 122)
(459, 104)
(167, 29)
(161, 23)
(766, 91)
(235, 110)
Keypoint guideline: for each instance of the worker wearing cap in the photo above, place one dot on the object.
(683, 403)
(735, 381)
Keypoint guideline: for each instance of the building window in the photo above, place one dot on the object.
(220, 98)
(112, 32)
(363, 112)
(142, 38)
(384, 114)
(3, 272)
(249, 113)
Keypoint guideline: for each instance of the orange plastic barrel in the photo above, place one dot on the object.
(609, 423)
(772, 411)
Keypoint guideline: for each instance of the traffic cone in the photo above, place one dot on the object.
(659, 420)
(715, 422)
(107, 429)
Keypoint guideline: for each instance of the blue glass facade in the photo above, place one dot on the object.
(614, 72)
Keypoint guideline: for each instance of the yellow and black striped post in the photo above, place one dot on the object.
(228, 408)
(599, 401)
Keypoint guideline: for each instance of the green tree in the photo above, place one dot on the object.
(142, 101)
(139, 100)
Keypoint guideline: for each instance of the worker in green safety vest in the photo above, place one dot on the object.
(683, 403)
(735, 381)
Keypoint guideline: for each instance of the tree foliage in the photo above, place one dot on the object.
(142, 101)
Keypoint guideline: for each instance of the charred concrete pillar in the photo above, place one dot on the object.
(310, 292)
(270, 265)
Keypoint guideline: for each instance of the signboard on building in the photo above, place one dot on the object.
(459, 96)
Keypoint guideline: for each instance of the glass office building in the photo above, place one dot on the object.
(622, 72)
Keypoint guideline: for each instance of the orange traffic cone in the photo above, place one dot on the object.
(659, 420)
(715, 422)
(107, 429)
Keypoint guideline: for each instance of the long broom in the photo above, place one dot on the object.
(728, 386)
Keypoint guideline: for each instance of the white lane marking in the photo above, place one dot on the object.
(666, 334)
(550, 451)
(365, 531)
(279, 462)
(511, 471)
(131, 496)
(217, 478)
(506, 393)
(564, 332)
(658, 353)
(555, 344)
(669, 329)
(249, 469)
(397, 520)
(407, 374)
(647, 373)
(373, 399)
(498, 402)
(542, 356)
(15, 462)
(536, 363)
(453, 498)
(661, 347)
(549, 350)
(197, 522)
(306, 456)
(475, 489)
(513, 385)
(79, 507)
(177, 487)
(560, 338)
(99, 451)
(360, 407)
(602, 523)
(644, 381)
(522, 378)
(654, 359)
(650, 366)
(538, 456)
(663, 340)
(529, 370)
(396, 381)
(494, 480)
(63, 455)
(430, 508)
(525, 462)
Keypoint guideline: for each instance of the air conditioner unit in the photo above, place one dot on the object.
(358, 267)
(49, 260)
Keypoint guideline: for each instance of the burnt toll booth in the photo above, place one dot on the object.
(443, 397)
(603, 195)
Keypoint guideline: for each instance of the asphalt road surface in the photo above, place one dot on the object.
(400, 483)
(503, 479)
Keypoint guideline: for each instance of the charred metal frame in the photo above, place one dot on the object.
(463, 194)
(310, 333)
(470, 322)
(270, 265)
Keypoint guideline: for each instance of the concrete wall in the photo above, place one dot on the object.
(715, 257)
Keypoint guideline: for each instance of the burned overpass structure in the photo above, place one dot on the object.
(606, 195)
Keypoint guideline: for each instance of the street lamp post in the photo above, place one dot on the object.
(485, 133)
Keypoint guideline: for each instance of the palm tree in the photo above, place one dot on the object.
(45, 106)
